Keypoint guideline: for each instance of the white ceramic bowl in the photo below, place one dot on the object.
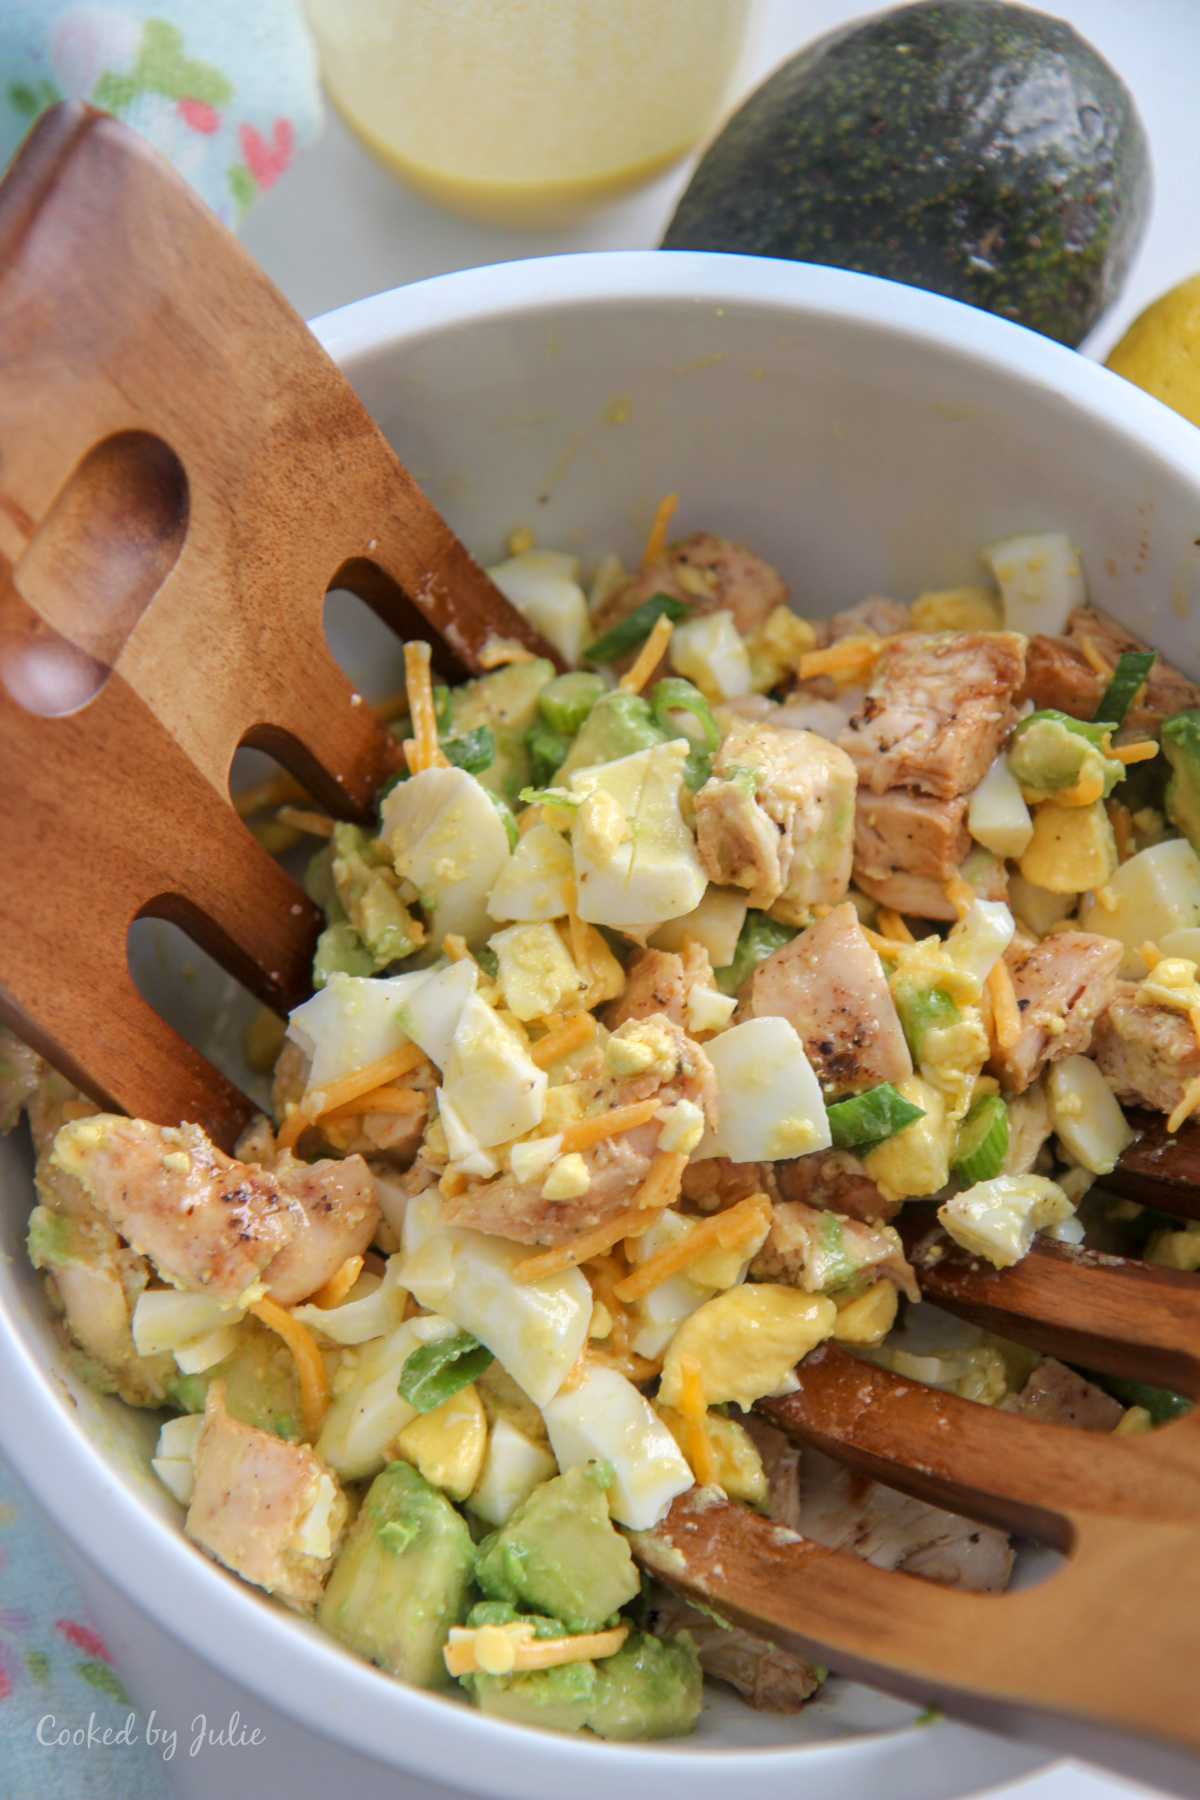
(865, 438)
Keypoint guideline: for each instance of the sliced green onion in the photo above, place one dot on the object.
(443, 708)
(869, 1118)
(673, 696)
(473, 750)
(921, 1010)
(547, 750)
(435, 1372)
(697, 768)
(758, 938)
(506, 814)
(566, 701)
(1160, 1403)
(982, 1140)
(1132, 668)
(549, 796)
(635, 627)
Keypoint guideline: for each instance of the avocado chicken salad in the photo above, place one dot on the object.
(653, 993)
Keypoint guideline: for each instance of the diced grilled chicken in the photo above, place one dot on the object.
(936, 711)
(1062, 987)
(660, 981)
(767, 1678)
(922, 897)
(341, 1214)
(20, 1071)
(617, 1165)
(1058, 674)
(1056, 1395)
(1145, 1053)
(876, 616)
(901, 832)
(709, 574)
(833, 1181)
(823, 1251)
(209, 1222)
(716, 1183)
(812, 1494)
(777, 818)
(394, 1137)
(829, 984)
(258, 1501)
(1029, 1127)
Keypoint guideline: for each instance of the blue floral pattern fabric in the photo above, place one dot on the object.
(227, 92)
(59, 1691)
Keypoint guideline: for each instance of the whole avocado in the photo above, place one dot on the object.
(983, 150)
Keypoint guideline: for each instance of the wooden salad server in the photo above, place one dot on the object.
(184, 474)
(1102, 1658)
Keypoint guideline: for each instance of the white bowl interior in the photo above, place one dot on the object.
(864, 438)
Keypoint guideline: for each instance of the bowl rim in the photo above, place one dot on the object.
(288, 1662)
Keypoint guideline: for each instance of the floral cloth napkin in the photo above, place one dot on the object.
(228, 92)
(56, 1678)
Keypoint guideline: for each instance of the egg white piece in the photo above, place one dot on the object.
(368, 1413)
(371, 1309)
(1040, 578)
(513, 1466)
(656, 873)
(490, 1079)
(544, 586)
(979, 940)
(534, 1329)
(432, 1009)
(529, 888)
(451, 843)
(606, 1417)
(352, 1022)
(168, 1319)
(711, 652)
(997, 815)
(769, 1102)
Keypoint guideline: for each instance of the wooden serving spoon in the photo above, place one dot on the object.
(184, 474)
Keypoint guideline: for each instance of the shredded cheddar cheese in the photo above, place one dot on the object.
(586, 1132)
(1006, 1014)
(656, 541)
(422, 750)
(647, 660)
(588, 1244)
(562, 1039)
(381, 1099)
(265, 795)
(693, 1408)
(960, 894)
(1121, 820)
(1134, 753)
(1096, 657)
(505, 1649)
(850, 656)
(339, 1285)
(723, 1231)
(661, 1186)
(317, 1102)
(314, 824)
(310, 1364)
(892, 928)
(1187, 1105)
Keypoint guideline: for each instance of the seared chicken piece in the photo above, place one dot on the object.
(1062, 987)
(209, 1222)
(1058, 1396)
(824, 1251)
(876, 616)
(767, 1678)
(921, 897)
(1029, 1126)
(660, 981)
(271, 1511)
(936, 712)
(1058, 674)
(1147, 1054)
(829, 983)
(832, 1181)
(777, 817)
(901, 832)
(709, 574)
(617, 1165)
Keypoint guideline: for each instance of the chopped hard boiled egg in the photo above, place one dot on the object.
(1086, 1116)
(997, 1219)
(431, 1010)
(606, 1418)
(769, 1102)
(711, 652)
(543, 585)
(655, 872)
(448, 839)
(998, 817)
(371, 1309)
(535, 973)
(747, 1342)
(1040, 578)
(172, 1459)
(1036, 906)
(168, 1319)
(353, 1021)
(568, 1178)
(868, 1317)
(366, 1415)
(707, 1010)
(448, 1445)
(716, 923)
(1072, 848)
(979, 940)
(535, 1329)
(1156, 892)
(739, 1466)
(512, 1467)
(489, 1078)
(683, 1127)
(530, 886)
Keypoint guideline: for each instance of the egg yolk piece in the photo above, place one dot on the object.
(747, 1342)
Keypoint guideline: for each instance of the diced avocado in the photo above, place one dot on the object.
(1181, 747)
(1051, 751)
(920, 1009)
(548, 750)
(340, 951)
(365, 883)
(559, 1699)
(651, 1688)
(52, 1240)
(618, 725)
(261, 1387)
(560, 1553)
(507, 700)
(758, 938)
(402, 1578)
(566, 702)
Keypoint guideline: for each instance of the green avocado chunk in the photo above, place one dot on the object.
(401, 1579)
(261, 1387)
(507, 701)
(618, 725)
(1181, 747)
(758, 939)
(559, 1699)
(650, 1689)
(1051, 751)
(980, 149)
(559, 1553)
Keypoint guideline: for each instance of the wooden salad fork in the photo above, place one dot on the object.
(184, 474)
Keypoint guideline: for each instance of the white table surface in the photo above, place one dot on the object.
(338, 227)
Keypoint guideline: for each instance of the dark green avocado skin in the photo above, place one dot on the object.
(983, 150)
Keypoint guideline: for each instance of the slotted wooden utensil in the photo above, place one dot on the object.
(184, 474)
(1103, 1657)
